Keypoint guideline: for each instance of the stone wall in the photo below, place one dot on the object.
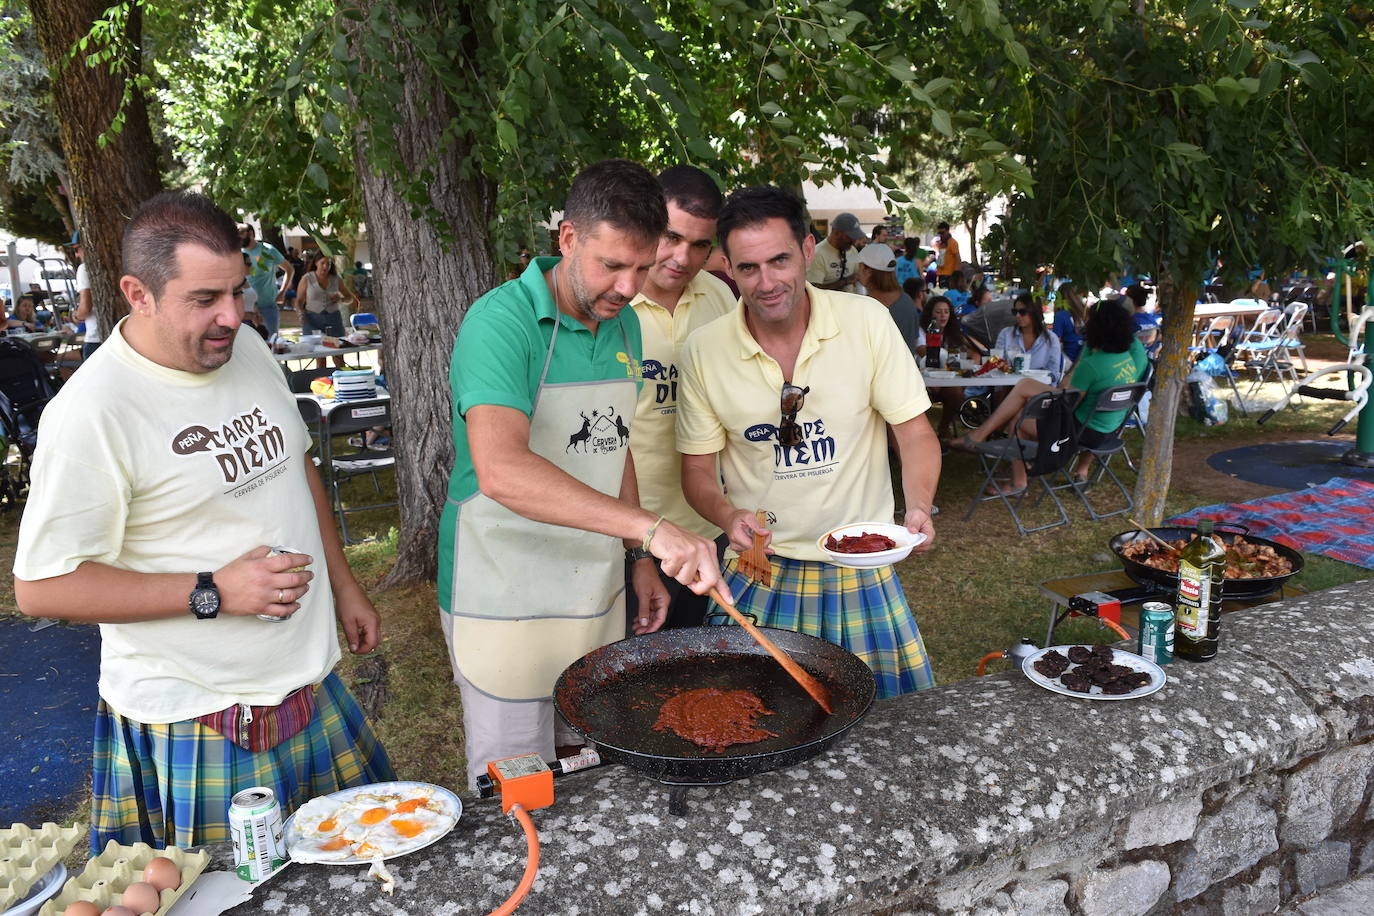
(1243, 784)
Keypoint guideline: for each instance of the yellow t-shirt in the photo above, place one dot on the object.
(828, 264)
(150, 469)
(861, 377)
(653, 439)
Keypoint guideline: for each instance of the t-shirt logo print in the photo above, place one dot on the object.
(599, 434)
(664, 378)
(246, 447)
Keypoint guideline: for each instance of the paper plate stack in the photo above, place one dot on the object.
(355, 384)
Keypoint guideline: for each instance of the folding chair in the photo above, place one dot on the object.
(1219, 338)
(994, 452)
(298, 380)
(1274, 357)
(364, 321)
(354, 417)
(1118, 398)
(310, 412)
(27, 388)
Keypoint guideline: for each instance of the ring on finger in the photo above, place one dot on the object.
(281, 594)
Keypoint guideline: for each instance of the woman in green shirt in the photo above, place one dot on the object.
(1112, 356)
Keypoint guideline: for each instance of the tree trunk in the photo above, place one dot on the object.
(426, 284)
(1177, 297)
(107, 183)
(972, 227)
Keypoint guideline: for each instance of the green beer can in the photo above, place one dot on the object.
(1156, 638)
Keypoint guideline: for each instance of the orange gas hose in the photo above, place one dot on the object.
(987, 658)
(1115, 627)
(531, 864)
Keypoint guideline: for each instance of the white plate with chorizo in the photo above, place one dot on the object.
(868, 545)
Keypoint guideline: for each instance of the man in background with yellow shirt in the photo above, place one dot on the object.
(949, 257)
(791, 394)
(678, 297)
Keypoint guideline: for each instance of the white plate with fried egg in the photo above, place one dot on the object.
(379, 821)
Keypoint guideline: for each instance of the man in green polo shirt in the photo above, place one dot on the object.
(545, 376)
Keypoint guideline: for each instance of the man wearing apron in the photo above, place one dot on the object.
(542, 500)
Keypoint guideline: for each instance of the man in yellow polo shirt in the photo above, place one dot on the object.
(792, 393)
(678, 297)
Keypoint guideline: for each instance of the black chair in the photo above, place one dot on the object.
(310, 412)
(1102, 446)
(27, 388)
(298, 380)
(345, 418)
(1036, 453)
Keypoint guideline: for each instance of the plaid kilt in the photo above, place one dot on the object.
(864, 610)
(170, 785)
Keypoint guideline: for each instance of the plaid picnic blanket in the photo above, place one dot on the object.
(1335, 518)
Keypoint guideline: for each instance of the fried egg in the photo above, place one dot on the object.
(368, 825)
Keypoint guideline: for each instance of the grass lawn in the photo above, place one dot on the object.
(974, 593)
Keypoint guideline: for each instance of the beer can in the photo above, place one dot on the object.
(255, 826)
(1156, 639)
(1018, 362)
(276, 552)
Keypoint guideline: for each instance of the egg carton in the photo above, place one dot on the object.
(108, 874)
(26, 855)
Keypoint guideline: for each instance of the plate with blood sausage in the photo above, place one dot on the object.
(868, 545)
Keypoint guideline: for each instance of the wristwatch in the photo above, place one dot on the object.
(204, 601)
(637, 553)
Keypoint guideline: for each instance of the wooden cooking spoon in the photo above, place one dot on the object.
(815, 688)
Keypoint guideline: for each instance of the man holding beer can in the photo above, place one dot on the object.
(164, 471)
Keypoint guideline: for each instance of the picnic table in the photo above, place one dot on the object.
(325, 352)
(938, 378)
(1241, 308)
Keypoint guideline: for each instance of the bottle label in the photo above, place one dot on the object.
(588, 758)
(1194, 594)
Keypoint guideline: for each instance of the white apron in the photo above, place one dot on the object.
(529, 599)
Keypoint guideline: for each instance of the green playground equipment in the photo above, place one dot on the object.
(1360, 341)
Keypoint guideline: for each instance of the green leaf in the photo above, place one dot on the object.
(700, 148)
(1316, 76)
(315, 173)
(776, 71)
(1016, 53)
(329, 122)
(1200, 11)
(939, 119)
(1215, 32)
(1185, 151)
(505, 134)
(1205, 93)
(899, 196)
(938, 85)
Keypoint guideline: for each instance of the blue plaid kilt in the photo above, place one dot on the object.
(864, 610)
(170, 785)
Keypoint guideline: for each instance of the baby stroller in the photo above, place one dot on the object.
(25, 389)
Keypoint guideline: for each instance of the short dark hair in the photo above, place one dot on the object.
(911, 245)
(620, 193)
(913, 287)
(943, 227)
(693, 190)
(751, 206)
(166, 221)
(1138, 295)
(1110, 327)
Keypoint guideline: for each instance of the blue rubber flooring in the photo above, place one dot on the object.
(48, 696)
(1289, 465)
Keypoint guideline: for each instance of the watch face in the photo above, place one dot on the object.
(205, 601)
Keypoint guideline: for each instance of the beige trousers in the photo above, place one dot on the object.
(495, 729)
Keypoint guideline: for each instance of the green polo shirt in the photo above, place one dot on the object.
(498, 358)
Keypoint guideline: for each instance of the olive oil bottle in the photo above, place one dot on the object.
(1201, 567)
